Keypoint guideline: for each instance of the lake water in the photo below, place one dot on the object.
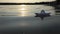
(29, 24)
(24, 21)
(25, 10)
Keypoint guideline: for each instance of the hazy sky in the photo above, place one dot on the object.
(21, 1)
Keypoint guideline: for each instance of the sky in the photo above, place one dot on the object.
(26, 1)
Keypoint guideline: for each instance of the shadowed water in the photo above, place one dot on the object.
(29, 24)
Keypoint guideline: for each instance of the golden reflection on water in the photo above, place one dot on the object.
(23, 11)
(29, 10)
(22, 5)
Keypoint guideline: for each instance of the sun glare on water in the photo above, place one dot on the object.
(23, 5)
(23, 11)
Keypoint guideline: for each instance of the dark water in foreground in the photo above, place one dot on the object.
(32, 24)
